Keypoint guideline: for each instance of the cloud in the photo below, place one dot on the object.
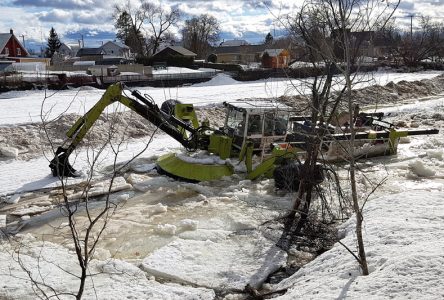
(54, 16)
(63, 4)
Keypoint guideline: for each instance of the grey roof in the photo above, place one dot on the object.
(4, 38)
(230, 43)
(178, 49)
(90, 51)
(119, 44)
(182, 50)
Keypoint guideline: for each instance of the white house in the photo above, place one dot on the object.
(68, 50)
(116, 49)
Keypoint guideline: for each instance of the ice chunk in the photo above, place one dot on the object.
(153, 183)
(437, 154)
(188, 224)
(419, 169)
(159, 208)
(13, 199)
(123, 197)
(229, 264)
(143, 168)
(166, 229)
(9, 152)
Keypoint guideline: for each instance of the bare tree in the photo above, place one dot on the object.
(326, 28)
(144, 27)
(199, 33)
(414, 46)
(158, 21)
(129, 21)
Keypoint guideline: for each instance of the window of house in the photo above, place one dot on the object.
(19, 52)
(7, 51)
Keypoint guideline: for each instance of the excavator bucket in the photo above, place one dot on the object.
(189, 170)
(60, 165)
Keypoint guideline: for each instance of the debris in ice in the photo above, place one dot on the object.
(9, 152)
(13, 199)
(166, 229)
(188, 224)
(229, 264)
(419, 169)
(25, 217)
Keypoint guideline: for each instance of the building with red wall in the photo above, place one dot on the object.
(10, 46)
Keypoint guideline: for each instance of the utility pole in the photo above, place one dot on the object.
(23, 39)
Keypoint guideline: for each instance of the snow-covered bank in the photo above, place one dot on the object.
(25, 107)
(404, 238)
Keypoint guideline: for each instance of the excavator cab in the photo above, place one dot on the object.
(259, 122)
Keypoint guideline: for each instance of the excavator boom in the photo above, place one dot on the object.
(143, 106)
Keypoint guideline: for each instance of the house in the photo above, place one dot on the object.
(68, 49)
(242, 54)
(170, 51)
(275, 58)
(116, 49)
(10, 46)
(94, 54)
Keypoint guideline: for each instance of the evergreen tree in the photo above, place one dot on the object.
(268, 39)
(53, 43)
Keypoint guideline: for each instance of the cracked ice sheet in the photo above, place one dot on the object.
(404, 241)
(229, 264)
(115, 279)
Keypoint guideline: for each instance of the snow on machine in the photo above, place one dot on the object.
(260, 138)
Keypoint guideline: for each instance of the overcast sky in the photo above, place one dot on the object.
(240, 19)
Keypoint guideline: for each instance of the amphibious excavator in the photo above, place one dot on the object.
(258, 138)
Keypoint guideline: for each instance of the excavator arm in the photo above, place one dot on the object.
(143, 106)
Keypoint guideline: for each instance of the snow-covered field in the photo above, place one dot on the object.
(173, 240)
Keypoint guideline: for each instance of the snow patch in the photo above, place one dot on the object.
(219, 79)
